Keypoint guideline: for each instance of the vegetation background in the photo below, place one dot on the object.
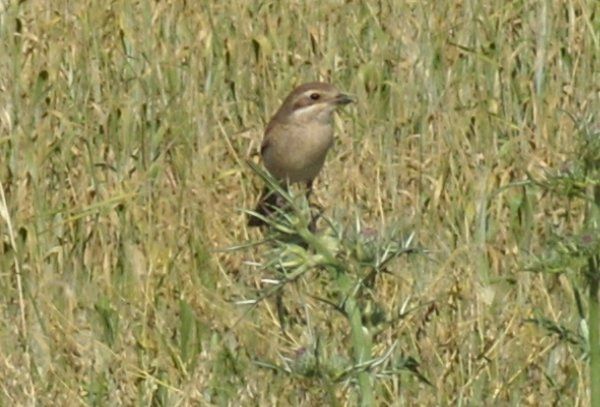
(124, 130)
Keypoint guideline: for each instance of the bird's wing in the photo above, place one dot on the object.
(265, 144)
(267, 138)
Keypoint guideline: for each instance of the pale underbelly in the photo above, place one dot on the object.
(297, 160)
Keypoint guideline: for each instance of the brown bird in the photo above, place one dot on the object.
(297, 139)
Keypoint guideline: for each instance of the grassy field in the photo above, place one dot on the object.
(126, 267)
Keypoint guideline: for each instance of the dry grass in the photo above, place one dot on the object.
(123, 132)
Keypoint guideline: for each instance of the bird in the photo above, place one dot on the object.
(297, 139)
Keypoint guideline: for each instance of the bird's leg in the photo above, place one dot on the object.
(312, 226)
(309, 188)
(280, 200)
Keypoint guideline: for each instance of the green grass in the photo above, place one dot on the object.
(124, 131)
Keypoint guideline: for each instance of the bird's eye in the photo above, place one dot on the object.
(315, 96)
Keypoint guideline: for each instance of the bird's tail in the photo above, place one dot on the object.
(268, 203)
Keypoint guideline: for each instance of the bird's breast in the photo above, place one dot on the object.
(297, 153)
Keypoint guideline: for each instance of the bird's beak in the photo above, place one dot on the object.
(343, 99)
